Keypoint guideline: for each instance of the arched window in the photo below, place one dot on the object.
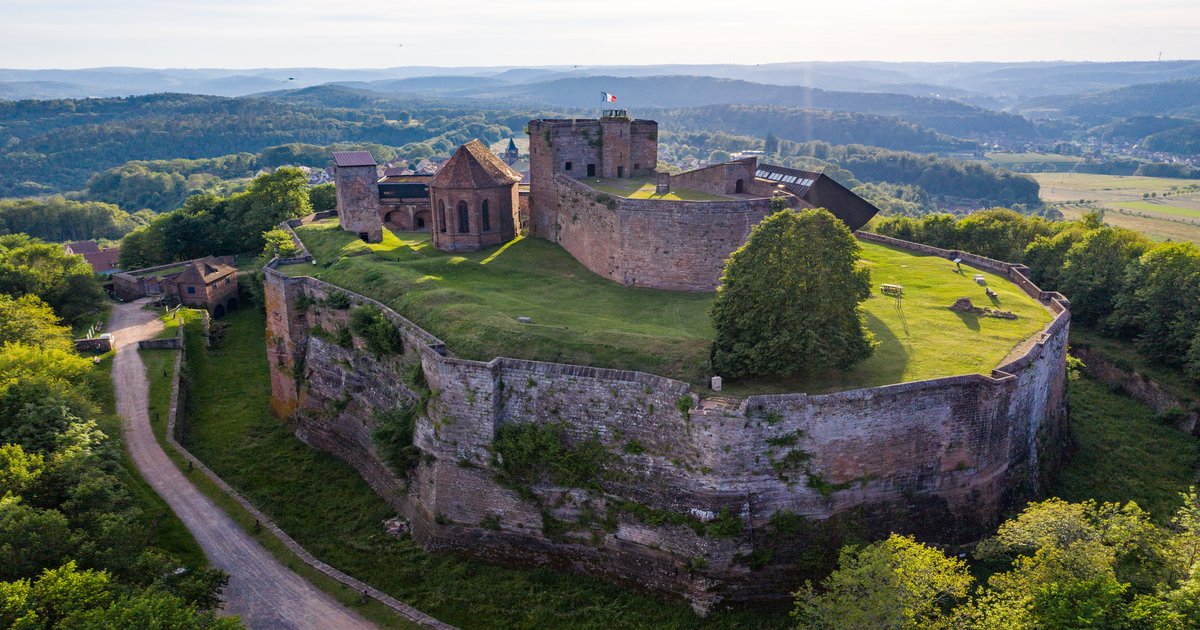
(464, 224)
(441, 215)
(739, 186)
(487, 222)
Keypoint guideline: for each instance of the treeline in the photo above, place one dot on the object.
(1184, 140)
(936, 176)
(57, 146)
(1067, 565)
(211, 225)
(73, 537)
(59, 220)
(1118, 281)
(806, 125)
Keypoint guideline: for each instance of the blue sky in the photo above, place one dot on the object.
(377, 34)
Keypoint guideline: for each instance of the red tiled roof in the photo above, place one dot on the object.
(473, 165)
(104, 260)
(204, 271)
(353, 158)
(84, 247)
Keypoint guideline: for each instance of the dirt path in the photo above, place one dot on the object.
(265, 594)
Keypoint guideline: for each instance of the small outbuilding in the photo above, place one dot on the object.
(207, 283)
(474, 200)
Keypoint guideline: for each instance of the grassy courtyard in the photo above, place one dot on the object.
(471, 301)
(644, 188)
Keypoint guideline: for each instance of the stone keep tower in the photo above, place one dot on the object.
(612, 147)
(358, 194)
(474, 200)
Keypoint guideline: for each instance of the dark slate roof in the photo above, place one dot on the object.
(204, 271)
(473, 165)
(84, 247)
(353, 158)
(512, 146)
(794, 181)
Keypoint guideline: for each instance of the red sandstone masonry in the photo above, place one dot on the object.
(945, 454)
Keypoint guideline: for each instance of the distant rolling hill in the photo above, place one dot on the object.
(1175, 98)
(944, 115)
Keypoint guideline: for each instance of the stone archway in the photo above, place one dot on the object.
(421, 221)
(219, 312)
(231, 305)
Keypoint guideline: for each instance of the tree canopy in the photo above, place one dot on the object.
(789, 299)
(65, 282)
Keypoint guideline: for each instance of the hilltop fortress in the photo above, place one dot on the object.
(707, 499)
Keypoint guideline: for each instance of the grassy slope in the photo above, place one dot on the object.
(644, 187)
(1124, 455)
(472, 300)
(323, 503)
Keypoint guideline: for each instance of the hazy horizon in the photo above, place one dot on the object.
(268, 34)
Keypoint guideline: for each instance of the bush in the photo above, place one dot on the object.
(393, 438)
(382, 337)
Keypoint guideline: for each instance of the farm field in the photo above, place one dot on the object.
(1176, 217)
(471, 301)
(1006, 159)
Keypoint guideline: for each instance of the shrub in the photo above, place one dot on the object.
(338, 300)
(381, 336)
(393, 438)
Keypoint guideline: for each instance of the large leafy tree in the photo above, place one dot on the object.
(789, 299)
(67, 283)
(1159, 303)
(1093, 270)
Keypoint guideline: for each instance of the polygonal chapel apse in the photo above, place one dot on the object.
(474, 200)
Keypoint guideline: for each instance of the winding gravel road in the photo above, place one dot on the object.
(263, 592)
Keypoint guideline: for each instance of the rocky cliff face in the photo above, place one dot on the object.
(705, 501)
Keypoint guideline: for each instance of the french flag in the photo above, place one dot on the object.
(608, 98)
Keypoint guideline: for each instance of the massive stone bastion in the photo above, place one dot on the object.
(710, 500)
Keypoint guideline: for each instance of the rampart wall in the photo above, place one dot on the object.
(680, 245)
(940, 459)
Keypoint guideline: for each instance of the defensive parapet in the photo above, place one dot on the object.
(702, 499)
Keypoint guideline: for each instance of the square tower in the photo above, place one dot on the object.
(611, 147)
(355, 180)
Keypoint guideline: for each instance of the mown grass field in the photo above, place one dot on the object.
(471, 301)
(1159, 207)
(324, 505)
(1175, 217)
(1006, 159)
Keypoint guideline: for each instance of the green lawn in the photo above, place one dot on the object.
(1124, 455)
(471, 301)
(644, 187)
(1026, 158)
(1161, 208)
(325, 506)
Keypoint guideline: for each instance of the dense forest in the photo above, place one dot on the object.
(75, 534)
(1184, 140)
(57, 146)
(1152, 99)
(57, 219)
(805, 125)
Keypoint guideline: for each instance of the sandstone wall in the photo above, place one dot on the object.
(681, 245)
(358, 201)
(939, 458)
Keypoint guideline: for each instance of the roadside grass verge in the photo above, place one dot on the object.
(471, 301)
(156, 362)
(167, 532)
(1123, 454)
(323, 504)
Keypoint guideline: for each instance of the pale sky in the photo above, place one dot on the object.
(378, 34)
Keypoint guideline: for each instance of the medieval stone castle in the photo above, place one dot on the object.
(723, 500)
